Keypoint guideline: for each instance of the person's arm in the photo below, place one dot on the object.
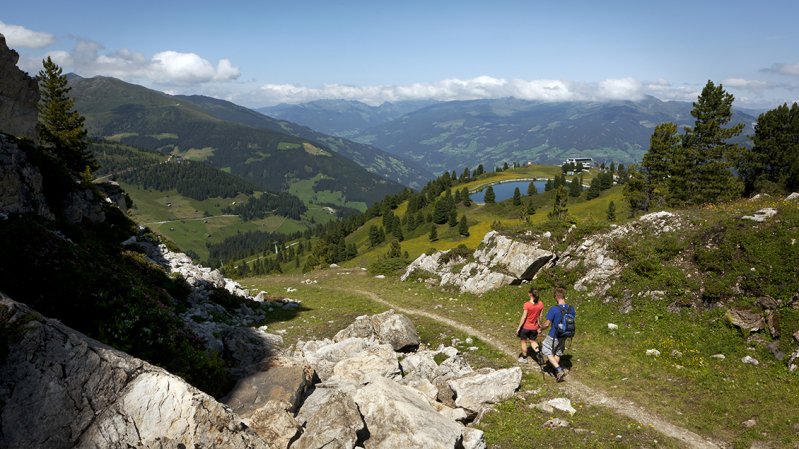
(521, 322)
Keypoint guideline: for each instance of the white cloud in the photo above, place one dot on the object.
(21, 37)
(167, 68)
(741, 83)
(785, 69)
(481, 87)
(620, 89)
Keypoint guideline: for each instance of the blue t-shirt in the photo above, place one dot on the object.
(554, 316)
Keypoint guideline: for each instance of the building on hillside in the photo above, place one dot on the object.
(586, 162)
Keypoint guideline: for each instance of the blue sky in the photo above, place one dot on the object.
(265, 52)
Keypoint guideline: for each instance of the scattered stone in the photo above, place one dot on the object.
(676, 354)
(562, 404)
(380, 276)
(473, 439)
(792, 196)
(612, 326)
(468, 340)
(718, 356)
(749, 423)
(761, 215)
(796, 336)
(472, 348)
(556, 423)
(749, 360)
(653, 352)
(543, 407)
(793, 361)
(768, 303)
(746, 319)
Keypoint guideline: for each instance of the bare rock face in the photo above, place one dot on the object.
(746, 319)
(83, 394)
(19, 96)
(20, 181)
(499, 261)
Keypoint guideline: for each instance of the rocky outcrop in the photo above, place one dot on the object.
(21, 185)
(595, 254)
(19, 96)
(498, 261)
(83, 394)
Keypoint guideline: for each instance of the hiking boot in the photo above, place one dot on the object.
(522, 359)
(560, 376)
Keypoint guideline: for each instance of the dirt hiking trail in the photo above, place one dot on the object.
(573, 387)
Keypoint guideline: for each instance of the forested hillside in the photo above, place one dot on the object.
(270, 160)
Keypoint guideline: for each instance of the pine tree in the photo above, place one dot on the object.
(704, 158)
(530, 209)
(463, 227)
(611, 211)
(548, 185)
(531, 189)
(517, 197)
(575, 188)
(490, 197)
(774, 157)
(453, 218)
(433, 233)
(559, 208)
(61, 129)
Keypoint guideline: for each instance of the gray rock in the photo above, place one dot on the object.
(556, 423)
(323, 355)
(21, 183)
(334, 423)
(400, 417)
(387, 327)
(473, 439)
(81, 393)
(485, 387)
(793, 361)
(792, 196)
(320, 396)
(380, 360)
(498, 261)
(749, 360)
(275, 424)
(19, 112)
(768, 303)
(761, 215)
(419, 365)
(285, 381)
(562, 404)
(423, 385)
(746, 319)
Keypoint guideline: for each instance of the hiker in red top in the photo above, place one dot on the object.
(528, 326)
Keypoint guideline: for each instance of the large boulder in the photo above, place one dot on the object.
(333, 421)
(81, 393)
(747, 320)
(485, 387)
(273, 422)
(387, 327)
(323, 355)
(380, 360)
(399, 416)
(285, 380)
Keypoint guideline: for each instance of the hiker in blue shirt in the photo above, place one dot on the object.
(560, 320)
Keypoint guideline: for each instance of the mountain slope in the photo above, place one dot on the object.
(374, 160)
(342, 117)
(457, 134)
(272, 161)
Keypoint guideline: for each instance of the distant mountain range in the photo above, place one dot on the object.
(456, 134)
(343, 118)
(271, 154)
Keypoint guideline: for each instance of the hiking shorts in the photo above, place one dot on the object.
(552, 346)
(529, 334)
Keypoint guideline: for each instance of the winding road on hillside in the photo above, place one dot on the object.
(573, 387)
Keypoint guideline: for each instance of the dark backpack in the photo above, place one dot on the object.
(565, 327)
